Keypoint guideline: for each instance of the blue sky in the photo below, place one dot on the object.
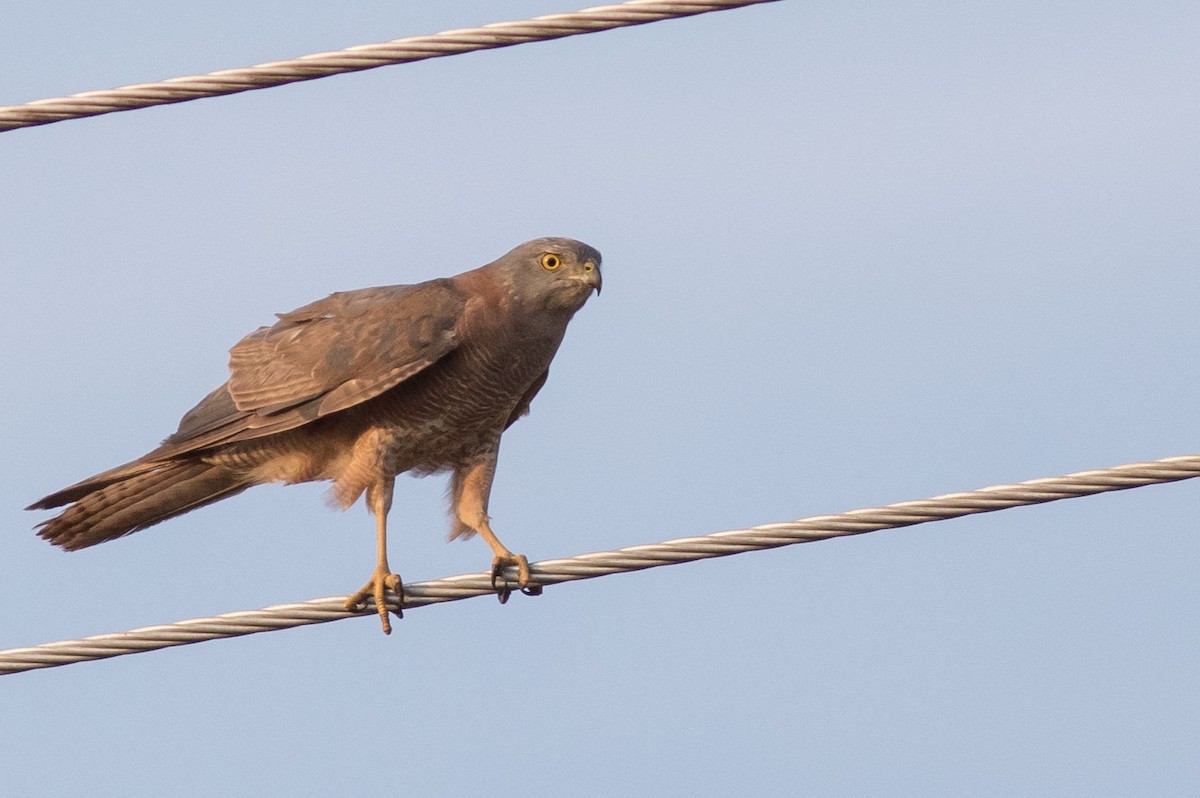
(854, 254)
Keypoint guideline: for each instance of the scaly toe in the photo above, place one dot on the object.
(503, 590)
(376, 589)
(357, 601)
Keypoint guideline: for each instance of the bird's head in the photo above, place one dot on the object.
(552, 273)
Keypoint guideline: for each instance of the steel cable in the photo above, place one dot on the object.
(633, 558)
(354, 59)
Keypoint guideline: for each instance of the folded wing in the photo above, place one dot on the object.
(327, 356)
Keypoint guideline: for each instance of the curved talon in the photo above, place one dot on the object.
(503, 591)
(376, 589)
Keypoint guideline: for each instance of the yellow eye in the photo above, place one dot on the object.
(550, 261)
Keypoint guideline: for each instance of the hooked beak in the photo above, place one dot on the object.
(591, 277)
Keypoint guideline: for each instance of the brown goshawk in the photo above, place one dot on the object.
(357, 388)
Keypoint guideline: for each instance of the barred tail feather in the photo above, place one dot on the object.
(125, 500)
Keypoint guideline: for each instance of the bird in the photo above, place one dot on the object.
(356, 389)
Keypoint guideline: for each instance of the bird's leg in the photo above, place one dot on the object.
(470, 489)
(379, 499)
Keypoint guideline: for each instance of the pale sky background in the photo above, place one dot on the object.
(854, 254)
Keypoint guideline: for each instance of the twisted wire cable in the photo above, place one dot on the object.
(354, 59)
(633, 558)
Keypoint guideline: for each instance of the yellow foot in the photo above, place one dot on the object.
(503, 591)
(380, 581)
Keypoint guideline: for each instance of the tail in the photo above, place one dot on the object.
(133, 497)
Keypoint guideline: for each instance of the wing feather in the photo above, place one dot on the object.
(325, 357)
